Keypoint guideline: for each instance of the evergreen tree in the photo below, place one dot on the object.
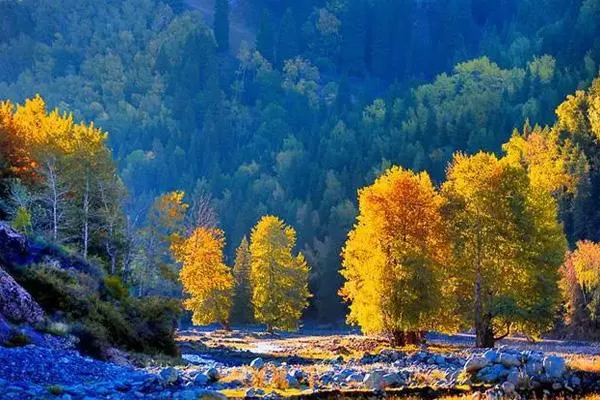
(221, 25)
(242, 301)
(265, 39)
(288, 41)
(354, 38)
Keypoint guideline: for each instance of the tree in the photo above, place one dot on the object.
(221, 25)
(265, 39)
(393, 259)
(242, 300)
(507, 246)
(279, 279)
(205, 278)
(288, 45)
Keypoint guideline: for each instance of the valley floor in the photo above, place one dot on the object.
(311, 364)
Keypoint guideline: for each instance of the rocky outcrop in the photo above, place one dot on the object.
(16, 304)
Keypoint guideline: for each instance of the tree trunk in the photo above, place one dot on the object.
(397, 338)
(484, 331)
(86, 223)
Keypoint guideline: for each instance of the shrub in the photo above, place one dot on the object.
(92, 337)
(115, 288)
(17, 339)
(55, 390)
(57, 328)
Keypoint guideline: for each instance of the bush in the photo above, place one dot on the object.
(103, 315)
(17, 339)
(115, 288)
(55, 390)
(57, 328)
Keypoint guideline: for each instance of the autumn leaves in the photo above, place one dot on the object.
(268, 276)
(482, 251)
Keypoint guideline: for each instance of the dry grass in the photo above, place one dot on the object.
(584, 363)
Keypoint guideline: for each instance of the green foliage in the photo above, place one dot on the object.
(17, 339)
(115, 288)
(143, 325)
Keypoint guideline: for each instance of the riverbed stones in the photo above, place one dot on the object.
(509, 360)
(257, 363)
(555, 367)
(168, 376)
(476, 363)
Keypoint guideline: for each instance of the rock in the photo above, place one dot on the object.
(475, 364)
(257, 363)
(493, 373)
(16, 304)
(292, 382)
(555, 367)
(168, 376)
(575, 381)
(373, 380)
(210, 395)
(297, 373)
(509, 360)
(391, 380)
(533, 367)
(556, 386)
(355, 377)
(491, 356)
(201, 380)
(212, 374)
(508, 387)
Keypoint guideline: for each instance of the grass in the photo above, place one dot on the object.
(585, 363)
(55, 390)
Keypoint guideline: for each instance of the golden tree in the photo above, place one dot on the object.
(205, 278)
(279, 279)
(393, 258)
(507, 246)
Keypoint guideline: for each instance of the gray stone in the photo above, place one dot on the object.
(355, 377)
(575, 381)
(508, 387)
(555, 366)
(373, 380)
(257, 363)
(556, 386)
(493, 373)
(509, 360)
(168, 376)
(292, 382)
(212, 374)
(490, 355)
(201, 380)
(391, 380)
(475, 364)
(533, 367)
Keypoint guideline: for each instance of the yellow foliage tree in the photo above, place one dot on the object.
(393, 259)
(508, 246)
(279, 279)
(205, 278)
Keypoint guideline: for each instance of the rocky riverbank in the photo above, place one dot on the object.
(34, 372)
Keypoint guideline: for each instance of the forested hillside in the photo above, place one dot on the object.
(327, 97)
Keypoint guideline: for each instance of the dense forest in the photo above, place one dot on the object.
(319, 102)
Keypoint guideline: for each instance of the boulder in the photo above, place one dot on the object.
(16, 304)
(534, 367)
(508, 387)
(493, 373)
(355, 377)
(257, 363)
(555, 367)
(373, 380)
(201, 380)
(491, 356)
(392, 380)
(212, 374)
(475, 364)
(509, 360)
(168, 376)
(291, 381)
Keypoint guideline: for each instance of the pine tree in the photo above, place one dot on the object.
(221, 25)
(279, 279)
(242, 301)
(354, 38)
(288, 41)
(265, 40)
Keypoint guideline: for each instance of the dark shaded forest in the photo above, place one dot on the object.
(327, 96)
